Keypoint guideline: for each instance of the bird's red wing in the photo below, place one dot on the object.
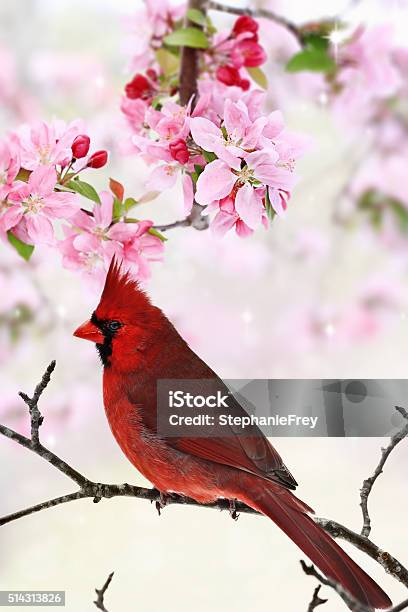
(251, 452)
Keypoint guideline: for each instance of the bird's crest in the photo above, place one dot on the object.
(121, 295)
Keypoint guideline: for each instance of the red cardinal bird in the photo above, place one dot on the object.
(138, 345)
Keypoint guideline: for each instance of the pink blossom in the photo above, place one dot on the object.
(91, 241)
(37, 204)
(241, 133)
(46, 144)
(217, 179)
(163, 177)
(9, 167)
(148, 27)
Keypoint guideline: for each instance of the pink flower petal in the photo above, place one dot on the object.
(11, 217)
(61, 204)
(163, 177)
(188, 193)
(215, 182)
(205, 133)
(249, 206)
(222, 223)
(42, 180)
(103, 211)
(40, 229)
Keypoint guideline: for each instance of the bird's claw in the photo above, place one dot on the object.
(233, 510)
(162, 501)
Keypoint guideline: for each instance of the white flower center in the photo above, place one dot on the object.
(33, 204)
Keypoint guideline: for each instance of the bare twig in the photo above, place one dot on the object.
(98, 491)
(316, 600)
(350, 601)
(99, 601)
(389, 563)
(195, 219)
(369, 482)
(32, 403)
(265, 13)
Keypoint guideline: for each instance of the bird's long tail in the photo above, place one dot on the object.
(290, 514)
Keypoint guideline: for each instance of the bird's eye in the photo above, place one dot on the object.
(114, 326)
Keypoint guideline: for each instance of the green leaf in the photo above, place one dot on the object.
(268, 206)
(155, 232)
(197, 17)
(117, 209)
(198, 169)
(209, 157)
(187, 37)
(258, 76)
(152, 231)
(312, 60)
(316, 41)
(23, 249)
(168, 62)
(84, 189)
(401, 214)
(129, 203)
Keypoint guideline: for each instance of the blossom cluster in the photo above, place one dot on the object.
(234, 159)
(40, 197)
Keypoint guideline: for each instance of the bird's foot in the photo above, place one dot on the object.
(162, 501)
(233, 510)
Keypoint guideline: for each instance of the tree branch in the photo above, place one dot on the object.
(390, 564)
(350, 601)
(316, 600)
(369, 482)
(195, 219)
(98, 491)
(265, 13)
(189, 59)
(99, 601)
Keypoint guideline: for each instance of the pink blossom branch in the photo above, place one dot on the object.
(189, 60)
(260, 12)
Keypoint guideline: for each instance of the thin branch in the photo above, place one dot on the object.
(98, 491)
(99, 601)
(389, 563)
(32, 403)
(316, 600)
(350, 601)
(265, 13)
(369, 482)
(195, 219)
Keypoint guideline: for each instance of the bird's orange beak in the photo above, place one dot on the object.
(89, 331)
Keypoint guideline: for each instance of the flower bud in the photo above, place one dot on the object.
(139, 87)
(80, 146)
(252, 54)
(229, 75)
(245, 23)
(97, 159)
(178, 151)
